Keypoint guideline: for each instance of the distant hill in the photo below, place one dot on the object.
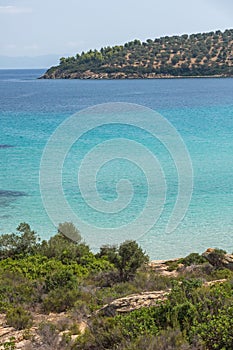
(202, 54)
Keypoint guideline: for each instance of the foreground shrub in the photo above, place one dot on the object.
(103, 333)
(193, 259)
(59, 279)
(217, 332)
(24, 242)
(19, 318)
(216, 257)
(127, 258)
(167, 340)
(48, 334)
(151, 281)
(15, 289)
(60, 299)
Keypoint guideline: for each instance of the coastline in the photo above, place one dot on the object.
(95, 77)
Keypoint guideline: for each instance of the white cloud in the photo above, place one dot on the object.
(14, 10)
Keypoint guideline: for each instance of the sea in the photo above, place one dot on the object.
(120, 159)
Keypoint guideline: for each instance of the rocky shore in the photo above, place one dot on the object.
(89, 75)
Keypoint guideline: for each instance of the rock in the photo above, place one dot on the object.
(219, 259)
(134, 302)
(35, 339)
(162, 268)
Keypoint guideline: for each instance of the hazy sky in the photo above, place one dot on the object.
(39, 27)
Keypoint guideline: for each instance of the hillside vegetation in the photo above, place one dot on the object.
(57, 294)
(202, 54)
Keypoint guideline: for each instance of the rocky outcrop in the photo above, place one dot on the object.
(134, 302)
(219, 259)
(161, 267)
(39, 337)
(90, 75)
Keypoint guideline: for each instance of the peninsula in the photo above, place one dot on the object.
(195, 55)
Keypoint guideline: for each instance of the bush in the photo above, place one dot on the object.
(15, 289)
(60, 299)
(151, 281)
(127, 258)
(222, 274)
(61, 248)
(59, 279)
(217, 332)
(167, 340)
(193, 259)
(25, 242)
(216, 256)
(48, 333)
(19, 318)
(139, 322)
(103, 333)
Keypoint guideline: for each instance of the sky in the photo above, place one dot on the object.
(63, 28)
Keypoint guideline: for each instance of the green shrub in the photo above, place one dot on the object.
(48, 333)
(170, 339)
(103, 333)
(150, 280)
(216, 257)
(24, 242)
(222, 274)
(39, 267)
(127, 258)
(59, 279)
(193, 259)
(139, 322)
(60, 299)
(19, 318)
(173, 265)
(15, 289)
(217, 332)
(184, 315)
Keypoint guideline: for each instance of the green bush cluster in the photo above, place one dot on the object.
(18, 318)
(193, 317)
(61, 275)
(55, 275)
(191, 259)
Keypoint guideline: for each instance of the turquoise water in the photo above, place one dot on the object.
(201, 110)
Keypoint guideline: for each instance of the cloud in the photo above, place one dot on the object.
(14, 10)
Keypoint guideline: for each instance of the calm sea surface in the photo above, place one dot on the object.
(201, 110)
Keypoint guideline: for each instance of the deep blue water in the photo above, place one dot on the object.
(201, 110)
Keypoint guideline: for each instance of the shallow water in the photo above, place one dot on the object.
(201, 110)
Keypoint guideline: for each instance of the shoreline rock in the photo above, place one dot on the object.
(218, 258)
(89, 75)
